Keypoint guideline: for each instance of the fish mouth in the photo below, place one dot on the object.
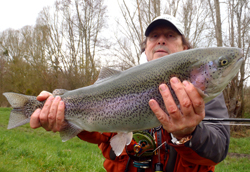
(234, 67)
(239, 62)
(240, 59)
(241, 56)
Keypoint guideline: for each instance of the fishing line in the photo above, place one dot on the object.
(159, 146)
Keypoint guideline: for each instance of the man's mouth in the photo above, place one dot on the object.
(161, 51)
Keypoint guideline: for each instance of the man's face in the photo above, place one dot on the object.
(163, 40)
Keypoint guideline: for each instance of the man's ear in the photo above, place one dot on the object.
(146, 54)
(185, 47)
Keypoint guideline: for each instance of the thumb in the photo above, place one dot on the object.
(43, 95)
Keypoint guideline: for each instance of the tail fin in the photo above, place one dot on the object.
(23, 107)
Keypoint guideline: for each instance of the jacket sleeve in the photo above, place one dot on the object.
(103, 142)
(210, 142)
(94, 137)
(111, 163)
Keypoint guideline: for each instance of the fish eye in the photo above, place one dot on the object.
(223, 61)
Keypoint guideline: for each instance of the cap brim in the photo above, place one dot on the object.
(157, 23)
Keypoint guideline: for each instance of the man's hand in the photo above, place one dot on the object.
(182, 122)
(51, 116)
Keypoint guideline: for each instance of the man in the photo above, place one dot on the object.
(190, 144)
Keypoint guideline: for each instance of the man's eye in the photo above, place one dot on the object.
(170, 35)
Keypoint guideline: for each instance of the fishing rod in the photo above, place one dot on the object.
(226, 119)
(210, 120)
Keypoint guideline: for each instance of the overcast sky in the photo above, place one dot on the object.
(18, 13)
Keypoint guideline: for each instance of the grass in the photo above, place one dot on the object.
(26, 150)
(238, 156)
(232, 164)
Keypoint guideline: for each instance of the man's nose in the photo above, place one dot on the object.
(162, 40)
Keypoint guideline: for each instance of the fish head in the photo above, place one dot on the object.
(215, 70)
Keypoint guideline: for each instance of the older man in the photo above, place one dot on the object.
(190, 144)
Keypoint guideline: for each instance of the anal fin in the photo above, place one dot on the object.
(69, 132)
(119, 141)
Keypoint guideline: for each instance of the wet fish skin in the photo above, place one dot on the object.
(118, 101)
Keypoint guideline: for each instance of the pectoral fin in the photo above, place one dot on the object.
(203, 95)
(119, 141)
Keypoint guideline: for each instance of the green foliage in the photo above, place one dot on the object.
(24, 149)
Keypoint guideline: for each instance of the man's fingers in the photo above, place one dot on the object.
(60, 122)
(34, 119)
(169, 102)
(184, 100)
(184, 120)
(197, 101)
(159, 113)
(44, 113)
(53, 112)
(51, 117)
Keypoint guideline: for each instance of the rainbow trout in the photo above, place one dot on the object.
(118, 101)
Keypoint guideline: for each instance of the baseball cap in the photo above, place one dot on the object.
(165, 19)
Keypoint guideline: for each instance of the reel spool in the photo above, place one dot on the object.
(141, 147)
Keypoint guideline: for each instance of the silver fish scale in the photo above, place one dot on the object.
(32, 105)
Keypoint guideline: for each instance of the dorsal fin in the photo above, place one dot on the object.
(59, 92)
(106, 72)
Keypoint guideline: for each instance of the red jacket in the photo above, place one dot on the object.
(208, 146)
(184, 162)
